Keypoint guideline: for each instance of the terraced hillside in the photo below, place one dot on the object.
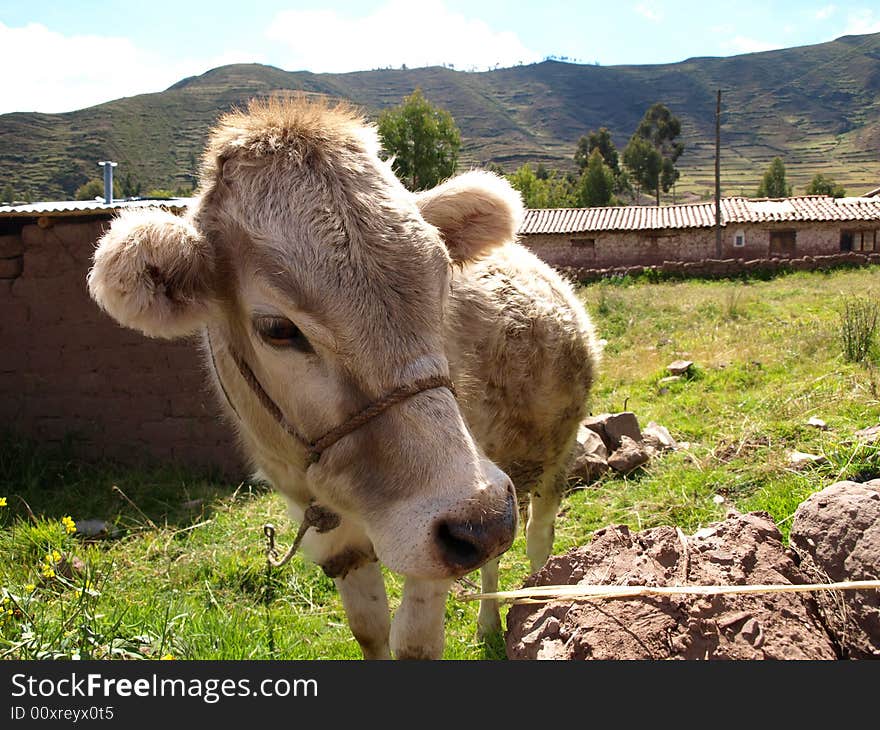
(816, 106)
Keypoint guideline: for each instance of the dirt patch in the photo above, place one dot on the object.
(743, 549)
(837, 532)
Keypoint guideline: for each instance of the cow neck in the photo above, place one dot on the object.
(315, 448)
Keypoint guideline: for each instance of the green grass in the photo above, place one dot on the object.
(185, 574)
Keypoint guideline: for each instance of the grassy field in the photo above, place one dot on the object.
(184, 575)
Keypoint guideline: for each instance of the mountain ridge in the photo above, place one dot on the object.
(817, 106)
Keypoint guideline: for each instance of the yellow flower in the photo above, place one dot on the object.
(2, 501)
(69, 524)
(167, 657)
(30, 588)
(47, 572)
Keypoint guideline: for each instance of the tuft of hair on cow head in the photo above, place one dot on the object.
(475, 212)
(153, 271)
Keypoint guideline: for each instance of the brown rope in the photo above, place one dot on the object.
(376, 408)
(317, 447)
(321, 518)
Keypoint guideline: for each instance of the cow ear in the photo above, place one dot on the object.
(475, 212)
(153, 272)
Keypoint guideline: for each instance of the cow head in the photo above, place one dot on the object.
(307, 258)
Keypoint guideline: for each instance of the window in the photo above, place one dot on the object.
(583, 242)
(864, 241)
(739, 238)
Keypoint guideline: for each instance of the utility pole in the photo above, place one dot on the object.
(718, 252)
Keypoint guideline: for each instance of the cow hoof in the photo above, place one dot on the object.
(488, 625)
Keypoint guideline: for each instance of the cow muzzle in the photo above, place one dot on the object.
(467, 539)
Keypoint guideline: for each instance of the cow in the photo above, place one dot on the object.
(393, 360)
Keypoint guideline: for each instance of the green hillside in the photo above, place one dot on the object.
(816, 106)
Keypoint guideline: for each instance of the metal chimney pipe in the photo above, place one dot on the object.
(108, 180)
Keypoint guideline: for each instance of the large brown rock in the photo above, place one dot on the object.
(611, 426)
(589, 456)
(628, 456)
(837, 533)
(743, 549)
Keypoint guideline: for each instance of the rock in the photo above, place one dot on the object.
(669, 379)
(817, 423)
(611, 426)
(800, 459)
(628, 456)
(679, 367)
(837, 533)
(742, 549)
(589, 456)
(659, 437)
(870, 434)
(96, 530)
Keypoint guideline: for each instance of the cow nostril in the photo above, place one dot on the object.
(460, 546)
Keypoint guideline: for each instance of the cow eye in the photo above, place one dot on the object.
(281, 333)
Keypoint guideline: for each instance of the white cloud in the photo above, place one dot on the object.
(861, 22)
(49, 72)
(825, 13)
(650, 11)
(399, 32)
(742, 44)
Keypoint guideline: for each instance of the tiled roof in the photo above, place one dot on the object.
(64, 208)
(698, 215)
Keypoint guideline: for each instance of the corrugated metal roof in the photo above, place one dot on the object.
(64, 208)
(699, 215)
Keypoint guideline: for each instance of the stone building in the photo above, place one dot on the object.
(750, 229)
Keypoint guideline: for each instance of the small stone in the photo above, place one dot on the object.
(679, 367)
(870, 434)
(659, 437)
(630, 455)
(718, 499)
(817, 423)
(669, 379)
(800, 459)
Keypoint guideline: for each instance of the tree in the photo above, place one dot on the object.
(596, 186)
(601, 141)
(95, 189)
(422, 140)
(131, 188)
(660, 127)
(774, 184)
(8, 194)
(644, 163)
(553, 192)
(821, 185)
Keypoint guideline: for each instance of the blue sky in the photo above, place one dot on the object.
(59, 56)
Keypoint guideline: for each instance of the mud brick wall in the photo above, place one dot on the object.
(714, 268)
(68, 370)
(643, 248)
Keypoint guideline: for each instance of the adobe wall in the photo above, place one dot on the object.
(633, 248)
(66, 368)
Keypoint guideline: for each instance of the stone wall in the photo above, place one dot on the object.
(724, 267)
(631, 248)
(67, 369)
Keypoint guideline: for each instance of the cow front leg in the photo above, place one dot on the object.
(346, 555)
(540, 529)
(366, 607)
(489, 618)
(417, 631)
